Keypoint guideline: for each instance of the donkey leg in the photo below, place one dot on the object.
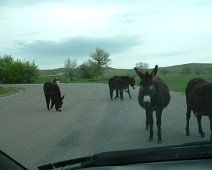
(188, 115)
(210, 118)
(158, 115)
(199, 118)
(147, 121)
(117, 94)
(52, 102)
(151, 125)
(128, 91)
(121, 94)
(129, 95)
(111, 93)
(47, 101)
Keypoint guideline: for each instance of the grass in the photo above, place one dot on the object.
(174, 79)
(43, 79)
(6, 91)
(177, 82)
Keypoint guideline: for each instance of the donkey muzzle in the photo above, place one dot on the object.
(147, 99)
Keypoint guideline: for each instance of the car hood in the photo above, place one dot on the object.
(187, 151)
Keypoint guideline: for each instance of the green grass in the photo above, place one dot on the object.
(178, 82)
(174, 78)
(175, 81)
(43, 79)
(6, 91)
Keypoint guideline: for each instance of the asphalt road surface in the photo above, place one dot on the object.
(89, 123)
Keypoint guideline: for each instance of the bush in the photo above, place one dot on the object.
(12, 71)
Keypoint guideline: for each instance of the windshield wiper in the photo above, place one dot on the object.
(194, 150)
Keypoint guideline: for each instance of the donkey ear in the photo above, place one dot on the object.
(154, 71)
(140, 74)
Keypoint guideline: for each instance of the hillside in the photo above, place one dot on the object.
(195, 68)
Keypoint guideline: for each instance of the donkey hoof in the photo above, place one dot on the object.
(159, 141)
(187, 134)
(150, 139)
(202, 135)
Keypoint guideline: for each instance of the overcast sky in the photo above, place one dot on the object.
(163, 32)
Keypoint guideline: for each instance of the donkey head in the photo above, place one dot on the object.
(147, 87)
(59, 103)
(56, 80)
(132, 82)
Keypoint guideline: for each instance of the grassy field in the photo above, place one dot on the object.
(177, 82)
(5, 91)
(173, 78)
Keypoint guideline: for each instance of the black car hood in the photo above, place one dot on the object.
(187, 151)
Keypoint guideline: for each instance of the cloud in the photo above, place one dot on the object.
(77, 46)
(52, 54)
(173, 53)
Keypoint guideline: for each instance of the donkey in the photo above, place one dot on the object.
(127, 81)
(119, 84)
(56, 80)
(153, 96)
(52, 93)
(199, 100)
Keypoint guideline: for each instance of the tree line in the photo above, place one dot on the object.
(93, 67)
(17, 71)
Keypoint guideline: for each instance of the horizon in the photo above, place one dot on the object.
(148, 67)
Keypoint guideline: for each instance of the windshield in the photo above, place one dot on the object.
(79, 78)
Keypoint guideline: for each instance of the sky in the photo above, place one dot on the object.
(162, 32)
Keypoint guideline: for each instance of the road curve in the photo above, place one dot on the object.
(89, 123)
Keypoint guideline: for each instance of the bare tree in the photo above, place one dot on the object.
(70, 68)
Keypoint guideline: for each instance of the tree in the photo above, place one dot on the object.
(186, 70)
(12, 71)
(5, 65)
(142, 66)
(31, 72)
(87, 69)
(100, 59)
(70, 68)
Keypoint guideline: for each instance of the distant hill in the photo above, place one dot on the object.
(195, 68)
(57, 71)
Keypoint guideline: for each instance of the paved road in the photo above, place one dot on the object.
(89, 123)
